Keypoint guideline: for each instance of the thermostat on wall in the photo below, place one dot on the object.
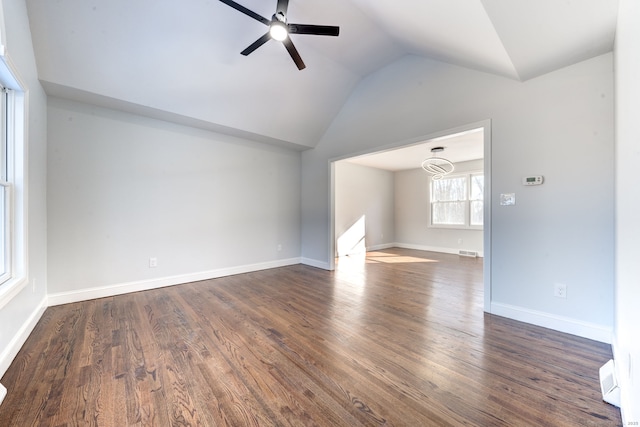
(533, 180)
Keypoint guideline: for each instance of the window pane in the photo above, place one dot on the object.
(4, 219)
(449, 189)
(5, 185)
(448, 213)
(477, 187)
(3, 234)
(3, 135)
(477, 212)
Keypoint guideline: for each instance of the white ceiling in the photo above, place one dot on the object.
(460, 147)
(180, 61)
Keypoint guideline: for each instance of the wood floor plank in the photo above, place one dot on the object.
(398, 338)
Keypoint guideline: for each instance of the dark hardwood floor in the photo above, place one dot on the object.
(399, 340)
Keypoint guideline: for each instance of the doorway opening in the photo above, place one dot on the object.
(382, 199)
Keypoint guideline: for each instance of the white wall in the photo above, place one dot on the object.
(362, 191)
(413, 213)
(559, 125)
(18, 317)
(627, 342)
(124, 188)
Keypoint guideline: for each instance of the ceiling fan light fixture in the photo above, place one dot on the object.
(278, 31)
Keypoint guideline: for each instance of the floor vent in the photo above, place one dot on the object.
(609, 384)
(472, 254)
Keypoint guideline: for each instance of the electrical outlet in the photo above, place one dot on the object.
(560, 290)
(279, 248)
(153, 262)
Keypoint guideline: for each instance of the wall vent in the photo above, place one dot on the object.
(609, 384)
(472, 254)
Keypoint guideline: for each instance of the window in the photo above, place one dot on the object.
(13, 259)
(5, 186)
(457, 201)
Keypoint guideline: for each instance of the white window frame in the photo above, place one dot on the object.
(14, 184)
(467, 203)
(6, 235)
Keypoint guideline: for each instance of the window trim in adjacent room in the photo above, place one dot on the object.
(467, 201)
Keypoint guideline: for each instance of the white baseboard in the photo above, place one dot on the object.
(11, 350)
(559, 323)
(145, 285)
(381, 247)
(315, 263)
(443, 250)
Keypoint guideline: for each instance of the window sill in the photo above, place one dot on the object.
(10, 289)
(456, 227)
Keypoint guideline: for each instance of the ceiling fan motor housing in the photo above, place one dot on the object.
(279, 29)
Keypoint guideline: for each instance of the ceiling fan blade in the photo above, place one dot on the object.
(294, 53)
(319, 30)
(256, 44)
(282, 7)
(246, 11)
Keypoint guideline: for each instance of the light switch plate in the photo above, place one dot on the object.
(507, 199)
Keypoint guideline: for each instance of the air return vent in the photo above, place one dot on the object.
(609, 384)
(472, 254)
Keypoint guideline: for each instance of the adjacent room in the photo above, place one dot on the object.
(387, 199)
(319, 213)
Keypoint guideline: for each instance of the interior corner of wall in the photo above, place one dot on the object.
(3, 393)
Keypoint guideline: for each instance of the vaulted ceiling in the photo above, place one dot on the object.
(180, 60)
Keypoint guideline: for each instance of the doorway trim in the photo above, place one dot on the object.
(486, 125)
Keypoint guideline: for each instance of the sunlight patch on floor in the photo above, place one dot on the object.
(389, 258)
(354, 263)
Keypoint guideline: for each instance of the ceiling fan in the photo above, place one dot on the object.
(279, 29)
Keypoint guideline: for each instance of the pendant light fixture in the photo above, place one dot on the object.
(438, 167)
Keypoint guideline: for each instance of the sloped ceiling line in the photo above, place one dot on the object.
(183, 59)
